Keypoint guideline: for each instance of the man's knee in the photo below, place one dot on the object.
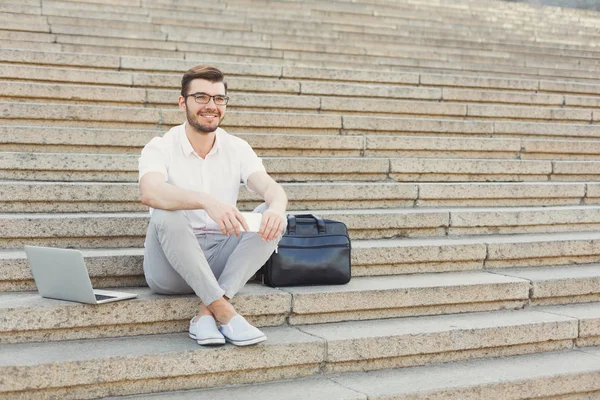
(263, 245)
(264, 207)
(165, 219)
(261, 208)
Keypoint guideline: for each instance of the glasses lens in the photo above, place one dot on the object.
(220, 100)
(202, 98)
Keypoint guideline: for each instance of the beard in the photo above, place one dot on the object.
(199, 127)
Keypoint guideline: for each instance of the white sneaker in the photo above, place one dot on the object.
(204, 330)
(240, 333)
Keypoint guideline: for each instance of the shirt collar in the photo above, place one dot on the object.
(186, 146)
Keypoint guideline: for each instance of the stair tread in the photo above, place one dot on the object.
(38, 353)
(453, 379)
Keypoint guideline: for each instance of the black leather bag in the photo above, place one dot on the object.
(313, 251)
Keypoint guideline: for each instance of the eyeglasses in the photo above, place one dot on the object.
(203, 98)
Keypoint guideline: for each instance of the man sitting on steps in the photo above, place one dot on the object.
(191, 178)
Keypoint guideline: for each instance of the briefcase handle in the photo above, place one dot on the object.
(292, 223)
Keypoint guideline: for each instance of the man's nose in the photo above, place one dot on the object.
(211, 102)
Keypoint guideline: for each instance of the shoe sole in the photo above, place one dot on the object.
(208, 342)
(248, 342)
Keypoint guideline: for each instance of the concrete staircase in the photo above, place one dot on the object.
(459, 141)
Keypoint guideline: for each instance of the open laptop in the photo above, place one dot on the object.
(61, 274)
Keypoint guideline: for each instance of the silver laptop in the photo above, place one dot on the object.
(61, 274)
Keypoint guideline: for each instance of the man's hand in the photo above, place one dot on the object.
(272, 225)
(228, 217)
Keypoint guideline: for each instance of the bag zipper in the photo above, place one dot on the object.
(314, 247)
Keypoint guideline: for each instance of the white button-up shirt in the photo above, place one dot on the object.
(229, 162)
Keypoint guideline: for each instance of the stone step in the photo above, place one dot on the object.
(127, 63)
(98, 95)
(473, 170)
(92, 116)
(117, 197)
(123, 168)
(49, 58)
(272, 46)
(123, 267)
(113, 141)
(18, 56)
(286, 45)
(24, 22)
(560, 373)
(107, 268)
(463, 110)
(238, 84)
(176, 359)
(372, 345)
(291, 74)
(10, 73)
(43, 197)
(396, 11)
(92, 20)
(503, 43)
(504, 97)
(559, 285)
(307, 24)
(99, 13)
(74, 369)
(78, 30)
(362, 299)
(129, 229)
(318, 14)
(357, 125)
(144, 51)
(426, 80)
(33, 9)
(80, 94)
(92, 7)
(416, 255)
(146, 315)
(42, 36)
(312, 55)
(480, 61)
(37, 139)
(454, 147)
(587, 314)
(447, 32)
(35, 46)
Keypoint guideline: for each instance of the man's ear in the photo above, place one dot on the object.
(181, 101)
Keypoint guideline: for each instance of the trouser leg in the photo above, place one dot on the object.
(174, 262)
(247, 254)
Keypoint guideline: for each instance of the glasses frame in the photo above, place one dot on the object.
(209, 98)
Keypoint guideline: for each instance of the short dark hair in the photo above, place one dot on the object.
(206, 72)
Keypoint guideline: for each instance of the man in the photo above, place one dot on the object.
(191, 178)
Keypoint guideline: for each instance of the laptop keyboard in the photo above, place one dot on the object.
(103, 297)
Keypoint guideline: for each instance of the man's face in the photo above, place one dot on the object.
(203, 117)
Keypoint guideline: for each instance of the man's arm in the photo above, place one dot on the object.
(157, 193)
(273, 222)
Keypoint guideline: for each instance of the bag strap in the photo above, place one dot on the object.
(292, 223)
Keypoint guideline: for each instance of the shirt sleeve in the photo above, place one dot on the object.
(153, 159)
(250, 162)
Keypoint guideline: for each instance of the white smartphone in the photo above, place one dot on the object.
(253, 221)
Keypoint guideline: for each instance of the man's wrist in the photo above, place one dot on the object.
(277, 209)
(205, 200)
